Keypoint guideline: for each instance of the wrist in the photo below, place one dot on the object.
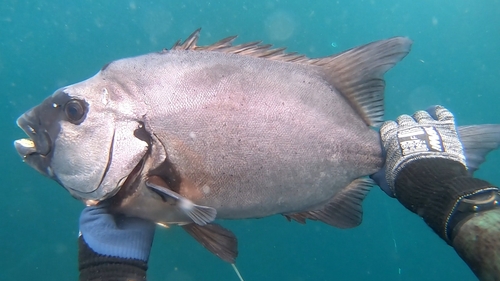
(94, 266)
(432, 188)
(484, 200)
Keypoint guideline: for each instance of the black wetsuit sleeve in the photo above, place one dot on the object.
(96, 267)
(432, 189)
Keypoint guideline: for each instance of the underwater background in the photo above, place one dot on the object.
(44, 45)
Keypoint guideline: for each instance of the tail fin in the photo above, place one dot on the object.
(478, 141)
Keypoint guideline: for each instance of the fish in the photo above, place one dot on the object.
(194, 134)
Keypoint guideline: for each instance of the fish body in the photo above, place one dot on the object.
(194, 133)
(249, 147)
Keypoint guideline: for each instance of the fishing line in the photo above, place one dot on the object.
(392, 234)
(237, 272)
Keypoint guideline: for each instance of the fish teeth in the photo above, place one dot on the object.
(25, 147)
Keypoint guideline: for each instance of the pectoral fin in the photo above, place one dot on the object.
(200, 215)
(343, 210)
(218, 240)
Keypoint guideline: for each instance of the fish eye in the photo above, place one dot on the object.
(75, 111)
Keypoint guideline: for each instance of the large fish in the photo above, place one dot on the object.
(193, 134)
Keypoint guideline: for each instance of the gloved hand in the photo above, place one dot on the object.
(419, 137)
(116, 236)
(426, 170)
(113, 245)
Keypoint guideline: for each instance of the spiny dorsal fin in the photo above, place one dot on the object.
(189, 43)
(254, 49)
(224, 43)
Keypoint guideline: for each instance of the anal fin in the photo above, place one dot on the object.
(218, 240)
(344, 210)
(201, 215)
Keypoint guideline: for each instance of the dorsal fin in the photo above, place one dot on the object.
(356, 73)
(254, 49)
(189, 43)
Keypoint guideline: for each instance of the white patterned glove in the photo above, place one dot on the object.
(418, 137)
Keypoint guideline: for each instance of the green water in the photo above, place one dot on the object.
(48, 44)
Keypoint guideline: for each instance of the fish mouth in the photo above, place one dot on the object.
(38, 143)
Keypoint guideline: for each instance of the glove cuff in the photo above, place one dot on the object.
(433, 187)
(401, 164)
(93, 266)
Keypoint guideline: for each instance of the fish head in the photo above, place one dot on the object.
(86, 137)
